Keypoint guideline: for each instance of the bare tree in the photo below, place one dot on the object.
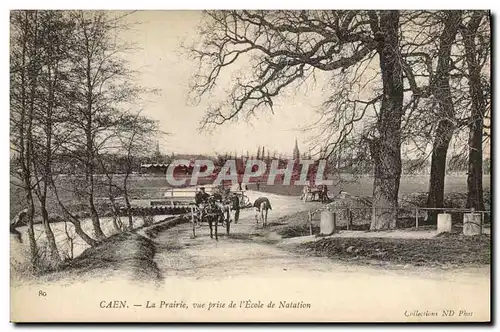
(24, 71)
(386, 148)
(110, 166)
(136, 134)
(285, 48)
(440, 87)
(67, 214)
(70, 94)
(102, 84)
(51, 96)
(477, 51)
(443, 90)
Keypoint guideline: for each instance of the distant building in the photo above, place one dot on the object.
(158, 157)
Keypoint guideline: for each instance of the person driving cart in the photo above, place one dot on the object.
(201, 197)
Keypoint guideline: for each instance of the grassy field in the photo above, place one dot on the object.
(71, 192)
(363, 186)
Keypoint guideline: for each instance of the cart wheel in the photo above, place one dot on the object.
(216, 232)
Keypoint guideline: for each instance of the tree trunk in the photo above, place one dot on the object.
(435, 197)
(24, 146)
(475, 164)
(78, 227)
(117, 223)
(31, 231)
(444, 132)
(33, 76)
(116, 214)
(75, 221)
(53, 252)
(127, 203)
(96, 224)
(386, 149)
(46, 162)
(70, 240)
(89, 134)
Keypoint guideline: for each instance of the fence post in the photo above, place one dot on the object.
(373, 212)
(416, 218)
(193, 221)
(348, 219)
(310, 223)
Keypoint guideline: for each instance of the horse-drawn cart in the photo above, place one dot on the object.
(213, 213)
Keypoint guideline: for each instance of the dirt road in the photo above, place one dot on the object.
(254, 264)
(250, 250)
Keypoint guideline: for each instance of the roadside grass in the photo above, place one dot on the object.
(450, 250)
(126, 252)
(297, 224)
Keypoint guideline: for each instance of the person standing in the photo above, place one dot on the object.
(236, 207)
(324, 194)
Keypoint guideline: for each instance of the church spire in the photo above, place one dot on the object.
(296, 152)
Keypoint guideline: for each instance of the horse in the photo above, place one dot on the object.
(310, 192)
(262, 206)
(214, 211)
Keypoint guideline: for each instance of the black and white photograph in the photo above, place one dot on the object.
(305, 165)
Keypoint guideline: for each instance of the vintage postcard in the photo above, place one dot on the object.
(250, 166)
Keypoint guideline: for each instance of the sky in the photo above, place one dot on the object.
(158, 37)
(162, 65)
